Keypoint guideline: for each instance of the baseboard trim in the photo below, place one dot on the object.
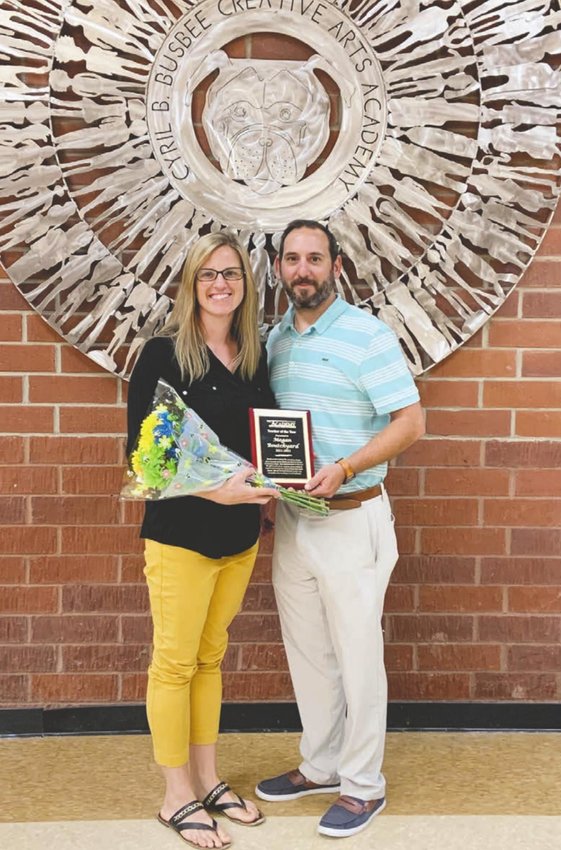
(284, 717)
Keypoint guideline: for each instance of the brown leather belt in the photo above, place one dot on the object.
(348, 501)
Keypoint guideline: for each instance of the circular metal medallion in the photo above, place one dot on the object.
(424, 132)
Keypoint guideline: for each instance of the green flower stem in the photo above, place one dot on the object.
(299, 498)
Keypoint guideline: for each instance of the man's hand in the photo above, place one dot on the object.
(327, 481)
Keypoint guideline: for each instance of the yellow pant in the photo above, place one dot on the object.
(193, 601)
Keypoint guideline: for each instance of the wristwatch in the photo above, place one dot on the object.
(347, 468)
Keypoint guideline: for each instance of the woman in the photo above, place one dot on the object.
(200, 550)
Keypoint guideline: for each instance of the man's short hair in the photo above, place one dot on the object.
(310, 224)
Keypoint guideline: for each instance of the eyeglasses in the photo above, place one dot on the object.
(208, 275)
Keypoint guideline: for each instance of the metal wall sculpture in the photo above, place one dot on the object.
(439, 185)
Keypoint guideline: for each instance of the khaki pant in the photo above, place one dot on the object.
(193, 600)
(330, 576)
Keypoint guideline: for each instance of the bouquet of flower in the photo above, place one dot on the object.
(177, 454)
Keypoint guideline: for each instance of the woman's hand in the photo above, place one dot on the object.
(236, 491)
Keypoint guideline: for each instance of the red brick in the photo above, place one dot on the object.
(14, 690)
(541, 364)
(448, 393)
(534, 658)
(406, 539)
(133, 687)
(398, 657)
(463, 541)
(521, 628)
(441, 453)
(521, 394)
(262, 570)
(266, 656)
(11, 450)
(92, 480)
(524, 333)
(522, 453)
(538, 482)
(93, 539)
(399, 598)
(435, 511)
(541, 273)
(466, 482)
(74, 688)
(136, 628)
(73, 360)
(74, 510)
(541, 305)
(456, 598)
(132, 512)
(522, 512)
(28, 600)
(27, 659)
(99, 420)
(469, 423)
(28, 479)
(533, 423)
(459, 657)
(38, 330)
(10, 330)
(259, 597)
(269, 45)
(503, 686)
(430, 627)
(422, 569)
(132, 567)
(26, 419)
(402, 482)
(12, 571)
(11, 390)
(26, 540)
(255, 628)
(13, 509)
(535, 541)
(67, 569)
(104, 598)
(69, 628)
(230, 660)
(89, 451)
(256, 687)
(96, 658)
(61, 388)
(13, 629)
(428, 686)
(475, 363)
(27, 358)
(510, 571)
(542, 600)
(10, 298)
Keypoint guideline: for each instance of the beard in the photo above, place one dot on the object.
(320, 292)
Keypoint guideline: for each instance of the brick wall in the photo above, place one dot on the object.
(474, 609)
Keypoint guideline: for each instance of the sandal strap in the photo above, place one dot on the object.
(185, 811)
(214, 795)
(211, 799)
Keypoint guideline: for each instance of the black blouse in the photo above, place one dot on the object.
(222, 399)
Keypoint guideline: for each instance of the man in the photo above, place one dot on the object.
(330, 574)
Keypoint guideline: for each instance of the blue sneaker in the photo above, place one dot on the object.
(290, 786)
(349, 815)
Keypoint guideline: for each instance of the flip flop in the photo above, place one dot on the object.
(176, 823)
(211, 804)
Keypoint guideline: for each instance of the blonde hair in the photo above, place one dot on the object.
(184, 324)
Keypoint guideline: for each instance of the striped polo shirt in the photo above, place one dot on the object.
(349, 371)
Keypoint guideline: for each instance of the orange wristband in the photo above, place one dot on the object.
(347, 468)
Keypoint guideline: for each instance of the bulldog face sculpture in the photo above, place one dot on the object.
(265, 125)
